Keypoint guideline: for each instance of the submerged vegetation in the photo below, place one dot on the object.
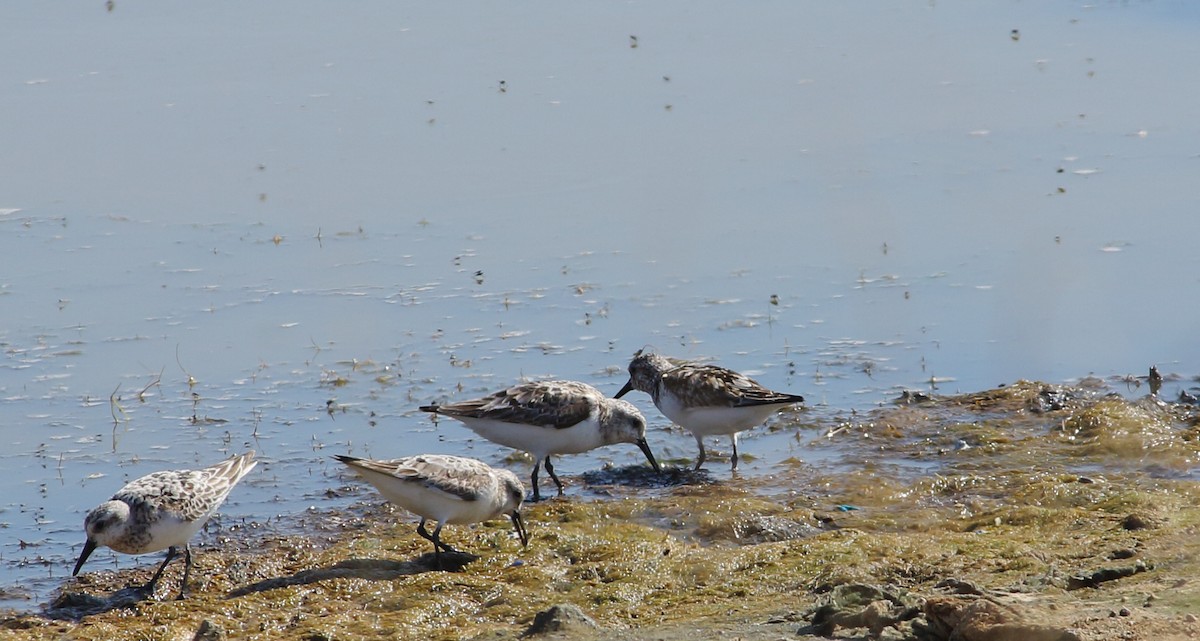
(1034, 511)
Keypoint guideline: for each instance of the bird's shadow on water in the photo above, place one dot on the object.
(74, 606)
(643, 476)
(369, 569)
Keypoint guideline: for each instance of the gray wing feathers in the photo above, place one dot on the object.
(559, 404)
(187, 494)
(710, 385)
(433, 472)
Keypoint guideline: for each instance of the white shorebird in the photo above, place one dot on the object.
(447, 489)
(704, 399)
(160, 511)
(551, 417)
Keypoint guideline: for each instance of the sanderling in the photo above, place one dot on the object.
(551, 417)
(704, 399)
(447, 489)
(162, 510)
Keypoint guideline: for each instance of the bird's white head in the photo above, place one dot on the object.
(621, 422)
(107, 523)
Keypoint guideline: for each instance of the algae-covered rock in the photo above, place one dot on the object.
(560, 618)
(209, 631)
(858, 605)
(964, 618)
(1103, 575)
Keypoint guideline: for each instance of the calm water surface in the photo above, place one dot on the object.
(283, 227)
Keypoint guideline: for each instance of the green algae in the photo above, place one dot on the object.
(1025, 510)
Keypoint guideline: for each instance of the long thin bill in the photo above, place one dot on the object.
(625, 390)
(519, 526)
(641, 443)
(88, 548)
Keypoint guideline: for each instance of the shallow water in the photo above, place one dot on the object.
(290, 227)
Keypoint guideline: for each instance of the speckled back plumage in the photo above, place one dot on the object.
(185, 494)
(553, 404)
(447, 489)
(551, 417)
(559, 404)
(455, 475)
(704, 399)
(700, 385)
(162, 510)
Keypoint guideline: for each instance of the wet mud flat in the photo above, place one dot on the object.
(1026, 512)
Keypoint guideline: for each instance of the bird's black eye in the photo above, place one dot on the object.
(100, 525)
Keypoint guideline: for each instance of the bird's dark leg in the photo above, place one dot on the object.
(187, 570)
(537, 495)
(437, 543)
(550, 469)
(437, 550)
(700, 461)
(434, 538)
(149, 587)
(734, 439)
(438, 546)
(423, 532)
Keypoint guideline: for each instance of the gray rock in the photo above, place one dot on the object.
(559, 618)
(209, 631)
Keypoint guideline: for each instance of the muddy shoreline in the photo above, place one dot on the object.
(1048, 513)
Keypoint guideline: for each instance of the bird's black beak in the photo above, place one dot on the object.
(519, 526)
(88, 548)
(625, 390)
(645, 447)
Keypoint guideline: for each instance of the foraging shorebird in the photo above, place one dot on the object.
(704, 399)
(160, 511)
(447, 489)
(551, 417)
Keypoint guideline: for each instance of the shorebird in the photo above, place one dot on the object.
(704, 399)
(551, 417)
(447, 489)
(162, 510)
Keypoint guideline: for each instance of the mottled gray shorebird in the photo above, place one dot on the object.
(551, 417)
(704, 399)
(447, 489)
(160, 511)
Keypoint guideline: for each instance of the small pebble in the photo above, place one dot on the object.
(1190, 618)
(1124, 612)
